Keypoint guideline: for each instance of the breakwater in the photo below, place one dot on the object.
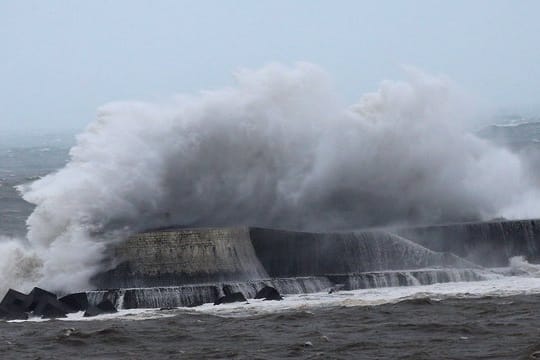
(193, 256)
(198, 294)
(488, 244)
(188, 267)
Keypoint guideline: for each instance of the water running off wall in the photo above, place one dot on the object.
(489, 243)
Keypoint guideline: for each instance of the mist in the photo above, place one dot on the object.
(277, 149)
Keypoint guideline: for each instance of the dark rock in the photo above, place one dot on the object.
(15, 302)
(16, 305)
(228, 290)
(92, 311)
(12, 315)
(45, 304)
(268, 293)
(75, 302)
(107, 306)
(38, 295)
(233, 297)
(49, 307)
(104, 307)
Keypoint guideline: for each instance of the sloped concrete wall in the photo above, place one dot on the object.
(183, 256)
(289, 253)
(199, 256)
(485, 243)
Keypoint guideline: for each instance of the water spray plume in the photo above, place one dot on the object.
(278, 149)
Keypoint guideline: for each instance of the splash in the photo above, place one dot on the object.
(277, 149)
(520, 266)
(19, 266)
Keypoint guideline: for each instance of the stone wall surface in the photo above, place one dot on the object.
(485, 243)
(197, 256)
(290, 253)
(188, 267)
(183, 256)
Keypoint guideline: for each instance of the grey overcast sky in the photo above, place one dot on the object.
(60, 60)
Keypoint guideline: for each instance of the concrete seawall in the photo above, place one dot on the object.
(200, 256)
(489, 243)
(188, 267)
(183, 256)
(290, 253)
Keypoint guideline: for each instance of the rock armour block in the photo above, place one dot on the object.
(268, 293)
(231, 298)
(104, 307)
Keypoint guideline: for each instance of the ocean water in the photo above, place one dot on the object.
(22, 160)
(483, 320)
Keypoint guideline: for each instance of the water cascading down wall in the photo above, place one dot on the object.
(183, 267)
(488, 244)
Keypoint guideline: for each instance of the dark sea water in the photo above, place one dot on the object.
(489, 324)
(484, 328)
(23, 159)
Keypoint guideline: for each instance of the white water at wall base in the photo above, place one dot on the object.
(195, 295)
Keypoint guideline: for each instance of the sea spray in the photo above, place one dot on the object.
(278, 149)
(520, 266)
(19, 265)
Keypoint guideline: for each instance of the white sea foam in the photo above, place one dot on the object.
(497, 287)
(277, 149)
(519, 265)
(129, 314)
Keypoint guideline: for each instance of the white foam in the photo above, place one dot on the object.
(499, 287)
(520, 266)
(128, 314)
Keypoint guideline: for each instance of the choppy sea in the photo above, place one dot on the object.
(493, 319)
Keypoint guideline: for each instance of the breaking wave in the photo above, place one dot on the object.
(520, 266)
(277, 149)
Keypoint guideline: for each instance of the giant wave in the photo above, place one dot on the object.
(278, 149)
